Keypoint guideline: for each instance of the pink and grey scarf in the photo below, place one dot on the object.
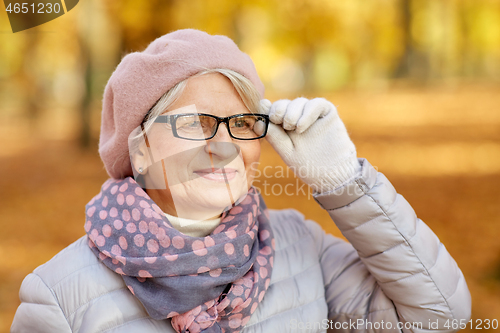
(204, 284)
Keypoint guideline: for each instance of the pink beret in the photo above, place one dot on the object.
(142, 78)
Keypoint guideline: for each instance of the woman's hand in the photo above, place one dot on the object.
(312, 140)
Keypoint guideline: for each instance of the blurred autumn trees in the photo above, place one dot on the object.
(436, 133)
(55, 73)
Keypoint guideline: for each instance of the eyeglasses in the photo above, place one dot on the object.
(200, 126)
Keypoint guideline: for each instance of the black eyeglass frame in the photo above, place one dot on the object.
(172, 119)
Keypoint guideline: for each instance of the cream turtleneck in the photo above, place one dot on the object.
(193, 228)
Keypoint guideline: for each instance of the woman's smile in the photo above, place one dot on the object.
(218, 175)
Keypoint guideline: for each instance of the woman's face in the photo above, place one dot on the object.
(203, 177)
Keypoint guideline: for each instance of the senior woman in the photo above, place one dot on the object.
(179, 241)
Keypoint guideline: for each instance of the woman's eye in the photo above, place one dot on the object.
(240, 123)
(188, 122)
(190, 125)
(193, 124)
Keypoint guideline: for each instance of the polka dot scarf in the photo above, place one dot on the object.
(204, 284)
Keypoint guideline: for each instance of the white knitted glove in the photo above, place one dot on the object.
(312, 140)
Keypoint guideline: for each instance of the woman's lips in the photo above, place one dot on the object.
(218, 175)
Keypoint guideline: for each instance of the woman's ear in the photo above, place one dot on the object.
(140, 159)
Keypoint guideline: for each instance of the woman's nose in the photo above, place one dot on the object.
(222, 144)
(222, 134)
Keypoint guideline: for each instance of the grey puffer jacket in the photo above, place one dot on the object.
(396, 276)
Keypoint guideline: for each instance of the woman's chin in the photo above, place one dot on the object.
(222, 196)
(214, 195)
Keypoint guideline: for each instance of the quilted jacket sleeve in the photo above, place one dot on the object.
(399, 272)
(39, 310)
